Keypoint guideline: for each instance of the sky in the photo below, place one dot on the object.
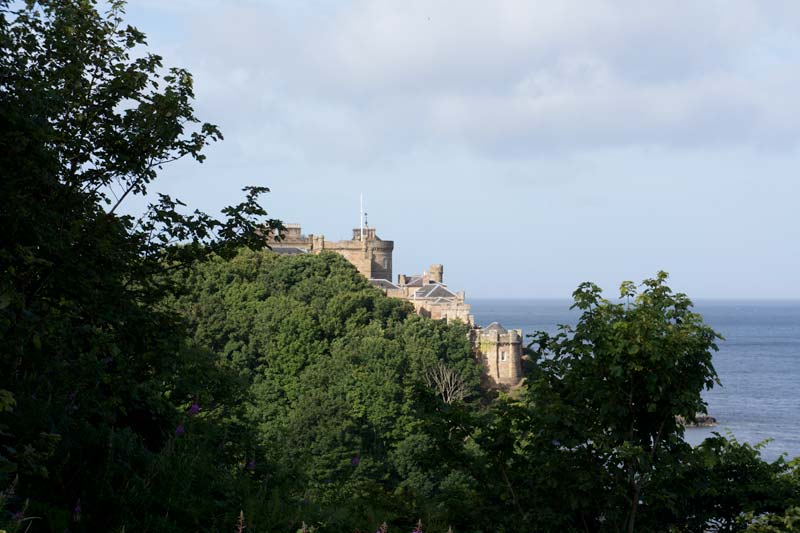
(526, 145)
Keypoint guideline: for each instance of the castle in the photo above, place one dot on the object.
(499, 350)
(371, 255)
(429, 295)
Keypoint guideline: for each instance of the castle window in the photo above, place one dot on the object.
(503, 356)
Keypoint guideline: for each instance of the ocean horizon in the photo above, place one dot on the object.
(758, 363)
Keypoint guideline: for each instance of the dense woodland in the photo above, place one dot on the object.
(166, 372)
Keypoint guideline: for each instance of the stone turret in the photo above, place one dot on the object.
(437, 273)
(292, 232)
(501, 354)
(369, 234)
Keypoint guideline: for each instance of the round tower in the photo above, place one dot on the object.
(381, 252)
(437, 273)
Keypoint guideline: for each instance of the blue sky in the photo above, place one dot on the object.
(527, 146)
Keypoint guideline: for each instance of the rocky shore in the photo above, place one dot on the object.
(700, 421)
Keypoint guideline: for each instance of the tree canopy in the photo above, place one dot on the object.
(94, 373)
(337, 383)
(625, 371)
(165, 373)
(598, 436)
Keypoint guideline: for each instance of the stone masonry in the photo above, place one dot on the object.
(501, 354)
(499, 350)
(430, 296)
(371, 256)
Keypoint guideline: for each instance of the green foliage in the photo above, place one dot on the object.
(606, 395)
(337, 384)
(725, 483)
(789, 522)
(594, 443)
(92, 371)
(156, 376)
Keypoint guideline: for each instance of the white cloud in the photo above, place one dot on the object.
(603, 137)
(367, 78)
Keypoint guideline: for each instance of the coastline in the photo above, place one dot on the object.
(758, 363)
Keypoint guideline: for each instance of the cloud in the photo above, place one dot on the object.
(577, 140)
(362, 80)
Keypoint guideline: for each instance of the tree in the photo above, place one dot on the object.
(607, 393)
(338, 386)
(770, 523)
(92, 366)
(447, 382)
(726, 483)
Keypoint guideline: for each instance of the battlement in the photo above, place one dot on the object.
(372, 256)
(500, 351)
(494, 332)
(369, 234)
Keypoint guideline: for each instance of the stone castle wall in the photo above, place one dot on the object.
(449, 311)
(501, 355)
(372, 256)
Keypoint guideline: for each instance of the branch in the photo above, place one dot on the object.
(447, 382)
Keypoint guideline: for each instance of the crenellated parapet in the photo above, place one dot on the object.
(372, 256)
(500, 351)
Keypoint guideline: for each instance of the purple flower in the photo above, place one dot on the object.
(194, 409)
(18, 516)
(355, 460)
(180, 430)
(77, 509)
(251, 465)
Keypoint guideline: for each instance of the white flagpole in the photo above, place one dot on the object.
(361, 221)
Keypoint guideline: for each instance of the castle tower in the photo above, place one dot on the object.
(381, 259)
(372, 256)
(437, 273)
(292, 233)
(500, 351)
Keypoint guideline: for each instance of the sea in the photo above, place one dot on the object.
(758, 364)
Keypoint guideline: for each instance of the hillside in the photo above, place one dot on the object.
(337, 378)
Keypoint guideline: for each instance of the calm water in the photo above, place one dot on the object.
(758, 363)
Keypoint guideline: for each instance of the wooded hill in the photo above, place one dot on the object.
(165, 373)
